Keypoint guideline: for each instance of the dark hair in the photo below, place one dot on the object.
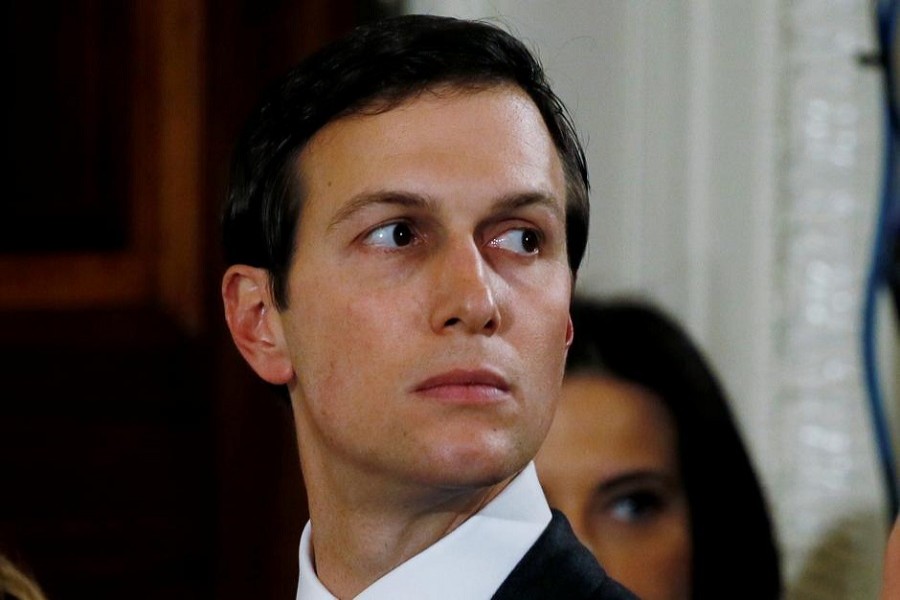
(372, 70)
(635, 342)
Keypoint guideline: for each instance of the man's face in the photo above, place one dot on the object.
(428, 296)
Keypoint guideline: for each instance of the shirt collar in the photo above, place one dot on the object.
(470, 562)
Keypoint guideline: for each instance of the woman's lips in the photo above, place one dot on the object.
(464, 386)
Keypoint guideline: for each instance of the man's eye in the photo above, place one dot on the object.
(520, 241)
(393, 235)
(636, 506)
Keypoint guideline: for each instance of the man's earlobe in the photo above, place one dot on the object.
(570, 333)
(254, 323)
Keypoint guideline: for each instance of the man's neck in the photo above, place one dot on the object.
(355, 544)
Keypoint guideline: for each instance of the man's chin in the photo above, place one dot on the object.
(472, 468)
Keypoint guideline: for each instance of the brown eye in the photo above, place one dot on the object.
(521, 241)
(403, 235)
(530, 241)
(636, 506)
(392, 235)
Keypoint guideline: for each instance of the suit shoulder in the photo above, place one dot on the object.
(558, 566)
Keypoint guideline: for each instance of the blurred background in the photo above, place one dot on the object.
(735, 150)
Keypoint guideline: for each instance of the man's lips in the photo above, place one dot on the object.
(476, 386)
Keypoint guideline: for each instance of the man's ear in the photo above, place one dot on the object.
(255, 324)
(570, 333)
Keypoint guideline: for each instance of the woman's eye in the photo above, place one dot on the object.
(521, 241)
(393, 235)
(635, 506)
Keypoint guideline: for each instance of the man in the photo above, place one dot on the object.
(407, 212)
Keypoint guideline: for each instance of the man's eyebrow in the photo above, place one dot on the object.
(504, 204)
(519, 200)
(365, 199)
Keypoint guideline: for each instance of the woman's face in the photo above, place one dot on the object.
(610, 464)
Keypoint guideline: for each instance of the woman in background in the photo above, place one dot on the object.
(644, 459)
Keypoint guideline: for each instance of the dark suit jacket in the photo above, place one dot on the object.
(558, 566)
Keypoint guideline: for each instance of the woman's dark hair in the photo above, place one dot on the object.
(372, 70)
(734, 553)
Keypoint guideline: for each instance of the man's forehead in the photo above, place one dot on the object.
(389, 100)
(397, 104)
(497, 128)
(413, 115)
(487, 149)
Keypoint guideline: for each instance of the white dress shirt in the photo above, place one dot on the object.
(470, 562)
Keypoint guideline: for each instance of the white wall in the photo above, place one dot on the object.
(733, 150)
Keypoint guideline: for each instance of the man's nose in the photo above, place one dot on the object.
(464, 294)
